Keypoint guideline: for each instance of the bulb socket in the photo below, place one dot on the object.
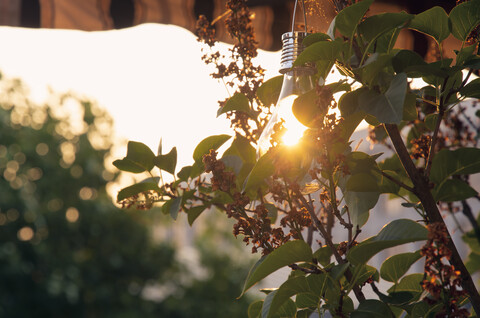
(291, 48)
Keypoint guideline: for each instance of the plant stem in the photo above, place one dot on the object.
(328, 241)
(422, 191)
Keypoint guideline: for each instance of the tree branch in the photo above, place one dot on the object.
(422, 191)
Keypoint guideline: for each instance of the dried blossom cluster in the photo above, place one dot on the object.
(421, 147)
(237, 70)
(141, 201)
(255, 225)
(443, 281)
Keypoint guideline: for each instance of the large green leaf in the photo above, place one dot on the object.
(359, 204)
(167, 162)
(194, 213)
(409, 283)
(291, 287)
(306, 110)
(286, 310)
(457, 162)
(370, 30)
(289, 253)
(212, 142)
(362, 182)
(315, 37)
(433, 22)
(172, 207)
(372, 308)
(347, 20)
(395, 233)
(397, 265)
(237, 102)
(269, 91)
(464, 18)
(137, 188)
(452, 190)
(139, 158)
(387, 108)
(406, 58)
(255, 309)
(472, 89)
(323, 50)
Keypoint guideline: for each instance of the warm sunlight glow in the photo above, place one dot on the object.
(294, 129)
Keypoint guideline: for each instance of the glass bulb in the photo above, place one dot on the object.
(296, 81)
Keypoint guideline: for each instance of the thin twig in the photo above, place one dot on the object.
(398, 182)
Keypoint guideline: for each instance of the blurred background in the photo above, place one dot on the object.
(91, 75)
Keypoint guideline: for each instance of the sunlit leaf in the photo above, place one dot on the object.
(212, 142)
(472, 89)
(263, 169)
(395, 233)
(237, 102)
(289, 253)
(323, 50)
(167, 162)
(139, 158)
(347, 20)
(315, 37)
(269, 91)
(136, 189)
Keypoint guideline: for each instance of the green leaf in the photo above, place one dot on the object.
(212, 142)
(388, 107)
(452, 190)
(464, 18)
(385, 185)
(291, 287)
(396, 266)
(406, 58)
(472, 89)
(462, 161)
(306, 110)
(139, 158)
(347, 20)
(350, 123)
(255, 309)
(167, 162)
(263, 169)
(372, 308)
(409, 283)
(362, 182)
(136, 189)
(395, 233)
(289, 253)
(194, 213)
(373, 68)
(466, 55)
(370, 30)
(359, 205)
(269, 91)
(323, 255)
(172, 207)
(409, 107)
(307, 300)
(431, 121)
(433, 22)
(323, 50)
(237, 102)
(286, 310)
(184, 173)
(315, 37)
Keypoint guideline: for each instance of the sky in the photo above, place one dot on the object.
(150, 78)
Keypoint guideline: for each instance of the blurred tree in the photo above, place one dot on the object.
(65, 250)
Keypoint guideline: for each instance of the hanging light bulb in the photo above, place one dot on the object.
(297, 80)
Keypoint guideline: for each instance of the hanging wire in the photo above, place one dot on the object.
(304, 15)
